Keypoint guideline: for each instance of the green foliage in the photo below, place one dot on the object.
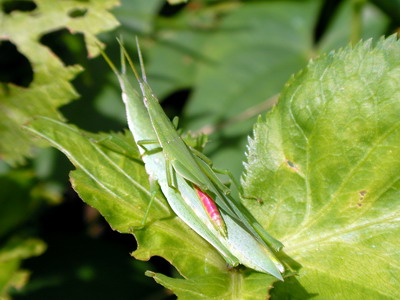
(322, 164)
(242, 54)
(119, 189)
(247, 66)
(137, 16)
(50, 87)
(22, 193)
(325, 165)
(20, 199)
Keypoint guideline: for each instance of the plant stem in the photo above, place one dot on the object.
(247, 114)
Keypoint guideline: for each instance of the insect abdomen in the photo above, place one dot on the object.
(212, 211)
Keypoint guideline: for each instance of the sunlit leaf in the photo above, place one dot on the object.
(324, 166)
(110, 176)
(11, 255)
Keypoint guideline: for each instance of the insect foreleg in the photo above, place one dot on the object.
(142, 144)
(147, 142)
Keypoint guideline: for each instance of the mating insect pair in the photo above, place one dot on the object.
(185, 175)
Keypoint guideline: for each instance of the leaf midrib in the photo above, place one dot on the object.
(301, 246)
(345, 279)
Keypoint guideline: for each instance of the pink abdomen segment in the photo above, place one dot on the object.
(212, 211)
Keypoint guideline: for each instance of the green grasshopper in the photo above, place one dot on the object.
(189, 163)
(184, 165)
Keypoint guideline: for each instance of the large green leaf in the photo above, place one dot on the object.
(246, 60)
(50, 87)
(182, 40)
(324, 165)
(137, 16)
(110, 176)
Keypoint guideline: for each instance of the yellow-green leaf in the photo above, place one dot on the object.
(50, 87)
(111, 177)
(325, 168)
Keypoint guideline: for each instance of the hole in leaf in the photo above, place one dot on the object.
(10, 6)
(78, 13)
(70, 48)
(14, 66)
(361, 198)
(291, 164)
(163, 266)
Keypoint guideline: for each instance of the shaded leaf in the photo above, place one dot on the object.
(137, 16)
(90, 268)
(249, 56)
(244, 286)
(11, 255)
(182, 40)
(19, 199)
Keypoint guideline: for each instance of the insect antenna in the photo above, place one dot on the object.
(141, 61)
(122, 56)
(108, 60)
(129, 60)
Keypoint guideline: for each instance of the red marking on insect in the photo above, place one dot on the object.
(212, 211)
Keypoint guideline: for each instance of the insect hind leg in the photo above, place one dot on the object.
(153, 192)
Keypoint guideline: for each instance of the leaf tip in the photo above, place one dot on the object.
(150, 274)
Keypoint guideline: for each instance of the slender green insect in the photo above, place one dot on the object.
(239, 240)
(191, 164)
